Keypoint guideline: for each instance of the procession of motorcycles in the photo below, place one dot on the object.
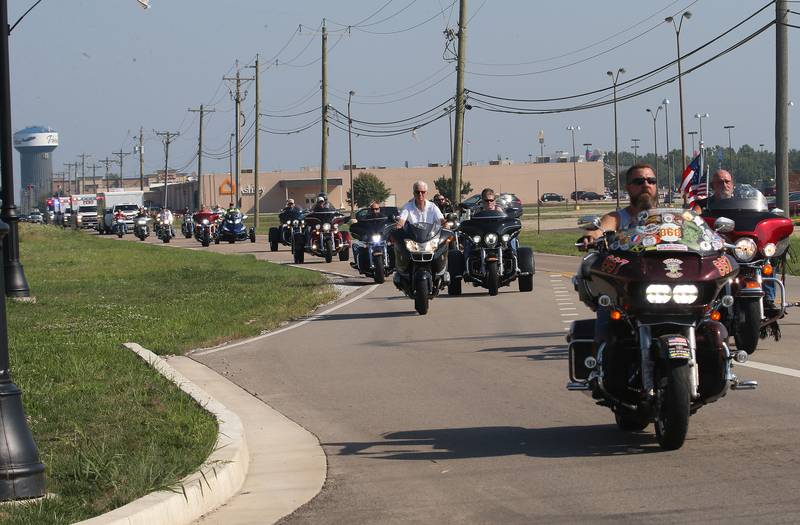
(669, 290)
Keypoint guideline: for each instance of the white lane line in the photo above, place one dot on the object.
(771, 368)
(314, 317)
(569, 315)
(562, 309)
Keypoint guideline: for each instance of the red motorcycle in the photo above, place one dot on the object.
(759, 243)
(323, 236)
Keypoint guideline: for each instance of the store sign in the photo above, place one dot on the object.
(251, 190)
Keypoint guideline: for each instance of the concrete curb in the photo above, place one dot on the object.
(218, 479)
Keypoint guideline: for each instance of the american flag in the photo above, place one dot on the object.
(693, 183)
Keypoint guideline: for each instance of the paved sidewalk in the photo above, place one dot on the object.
(287, 464)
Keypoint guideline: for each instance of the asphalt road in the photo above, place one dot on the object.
(461, 416)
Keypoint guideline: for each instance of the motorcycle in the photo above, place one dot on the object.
(141, 228)
(291, 223)
(205, 227)
(373, 256)
(491, 258)
(322, 237)
(187, 225)
(164, 230)
(662, 353)
(233, 228)
(118, 226)
(421, 252)
(759, 243)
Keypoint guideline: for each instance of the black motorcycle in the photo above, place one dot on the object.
(421, 261)
(491, 258)
(661, 352)
(291, 223)
(187, 225)
(372, 254)
(141, 227)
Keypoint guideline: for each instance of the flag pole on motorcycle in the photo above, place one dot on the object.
(703, 167)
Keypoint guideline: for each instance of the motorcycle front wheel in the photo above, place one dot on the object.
(379, 273)
(747, 324)
(328, 250)
(672, 404)
(492, 277)
(421, 300)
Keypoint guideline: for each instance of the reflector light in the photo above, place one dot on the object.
(616, 315)
(767, 270)
(715, 315)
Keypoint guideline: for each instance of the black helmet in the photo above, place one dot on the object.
(322, 196)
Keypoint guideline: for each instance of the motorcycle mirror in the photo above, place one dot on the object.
(777, 211)
(589, 222)
(244, 217)
(724, 225)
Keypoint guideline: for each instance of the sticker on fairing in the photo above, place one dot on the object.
(670, 232)
(672, 248)
(667, 217)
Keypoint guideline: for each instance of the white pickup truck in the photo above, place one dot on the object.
(110, 202)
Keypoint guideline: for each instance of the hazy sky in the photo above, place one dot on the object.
(97, 70)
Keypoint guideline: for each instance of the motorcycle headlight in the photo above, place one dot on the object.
(506, 237)
(476, 239)
(658, 293)
(745, 249)
(141, 222)
(376, 237)
(326, 227)
(490, 239)
(294, 223)
(684, 293)
(287, 223)
(417, 247)
(449, 225)
(237, 221)
(769, 250)
(205, 221)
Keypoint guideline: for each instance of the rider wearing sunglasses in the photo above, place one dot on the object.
(642, 189)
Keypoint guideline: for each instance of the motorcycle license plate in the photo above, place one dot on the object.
(678, 348)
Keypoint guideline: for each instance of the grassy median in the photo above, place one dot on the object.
(110, 429)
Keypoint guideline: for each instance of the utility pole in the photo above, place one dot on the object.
(121, 154)
(141, 158)
(167, 138)
(94, 167)
(107, 162)
(202, 110)
(82, 184)
(323, 167)
(257, 194)
(238, 97)
(781, 106)
(69, 166)
(460, 102)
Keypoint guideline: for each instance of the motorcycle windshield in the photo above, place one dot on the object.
(321, 216)
(233, 216)
(668, 230)
(290, 215)
(743, 198)
(422, 231)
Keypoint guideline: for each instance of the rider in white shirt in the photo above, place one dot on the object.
(419, 209)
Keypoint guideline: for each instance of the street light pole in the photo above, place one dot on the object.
(693, 133)
(700, 117)
(654, 114)
(635, 148)
(350, 149)
(614, 80)
(670, 169)
(677, 26)
(572, 130)
(730, 145)
(16, 285)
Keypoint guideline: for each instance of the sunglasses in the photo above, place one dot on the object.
(489, 200)
(639, 181)
(375, 209)
(420, 192)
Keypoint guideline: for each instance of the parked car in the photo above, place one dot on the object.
(551, 197)
(586, 196)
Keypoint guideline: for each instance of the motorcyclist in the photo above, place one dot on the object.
(722, 186)
(419, 209)
(641, 185)
(141, 213)
(119, 217)
(322, 203)
(289, 205)
(443, 203)
(167, 217)
(375, 211)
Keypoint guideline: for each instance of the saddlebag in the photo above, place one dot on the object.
(581, 345)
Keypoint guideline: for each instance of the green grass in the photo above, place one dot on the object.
(110, 429)
(560, 242)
